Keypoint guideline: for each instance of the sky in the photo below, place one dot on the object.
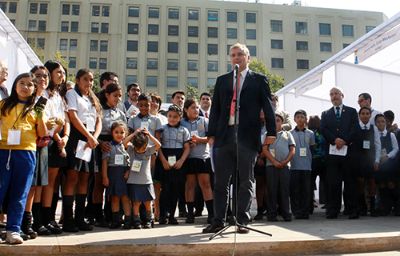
(388, 7)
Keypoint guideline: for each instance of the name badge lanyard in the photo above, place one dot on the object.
(13, 128)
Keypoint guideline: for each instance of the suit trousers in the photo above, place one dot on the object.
(300, 195)
(225, 165)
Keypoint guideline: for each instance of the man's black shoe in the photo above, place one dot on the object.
(242, 230)
(213, 228)
(331, 216)
(353, 216)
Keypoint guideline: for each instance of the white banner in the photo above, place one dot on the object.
(308, 84)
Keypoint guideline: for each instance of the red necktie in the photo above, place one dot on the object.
(206, 114)
(233, 102)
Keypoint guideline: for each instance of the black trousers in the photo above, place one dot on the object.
(278, 191)
(339, 169)
(300, 195)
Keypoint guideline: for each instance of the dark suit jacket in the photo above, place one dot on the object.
(344, 128)
(254, 97)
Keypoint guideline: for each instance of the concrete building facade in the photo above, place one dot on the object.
(165, 45)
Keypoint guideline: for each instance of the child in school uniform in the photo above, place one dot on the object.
(300, 167)
(388, 164)
(278, 157)
(175, 149)
(143, 119)
(366, 152)
(21, 122)
(199, 163)
(140, 183)
(115, 171)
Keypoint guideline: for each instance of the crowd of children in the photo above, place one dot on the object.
(127, 165)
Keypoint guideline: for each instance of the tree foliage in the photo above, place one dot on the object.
(276, 82)
(192, 92)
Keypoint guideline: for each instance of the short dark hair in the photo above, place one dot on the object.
(366, 96)
(139, 140)
(107, 76)
(205, 94)
(377, 116)
(175, 108)
(389, 115)
(144, 96)
(176, 92)
(300, 112)
(129, 87)
(367, 108)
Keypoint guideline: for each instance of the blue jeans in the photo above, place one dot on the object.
(15, 183)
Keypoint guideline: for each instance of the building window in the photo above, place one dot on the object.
(345, 45)
(172, 81)
(133, 28)
(252, 50)
(65, 9)
(210, 82)
(64, 26)
(33, 8)
(72, 62)
(74, 26)
(301, 27)
(32, 25)
(324, 29)
(152, 29)
(193, 81)
(94, 27)
(231, 16)
(132, 46)
(231, 33)
(212, 32)
(192, 65)
(154, 12)
(325, 47)
(94, 45)
(151, 81)
(251, 17)
(130, 79)
(133, 11)
(251, 34)
(276, 44)
(40, 43)
(172, 64)
(93, 63)
(73, 44)
(173, 30)
(63, 44)
(103, 46)
(172, 47)
(193, 48)
(193, 14)
(76, 9)
(228, 49)
(96, 11)
(173, 13)
(301, 45)
(104, 28)
(152, 46)
(276, 26)
(212, 66)
(43, 8)
(102, 63)
(42, 25)
(369, 28)
(212, 16)
(276, 63)
(105, 13)
(193, 31)
(302, 64)
(212, 49)
(3, 6)
(228, 67)
(348, 30)
(152, 63)
(131, 63)
(12, 7)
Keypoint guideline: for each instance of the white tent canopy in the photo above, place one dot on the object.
(14, 50)
(377, 71)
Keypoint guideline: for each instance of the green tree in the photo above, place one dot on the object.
(276, 82)
(192, 92)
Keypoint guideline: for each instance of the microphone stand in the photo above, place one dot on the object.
(233, 198)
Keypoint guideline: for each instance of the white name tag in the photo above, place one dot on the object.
(136, 165)
(171, 160)
(194, 133)
(366, 144)
(333, 150)
(303, 151)
(144, 124)
(272, 151)
(119, 159)
(14, 137)
(90, 124)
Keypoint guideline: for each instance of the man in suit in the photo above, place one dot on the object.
(254, 95)
(205, 104)
(338, 126)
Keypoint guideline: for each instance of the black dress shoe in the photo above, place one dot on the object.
(213, 228)
(243, 230)
(331, 216)
(353, 216)
(272, 218)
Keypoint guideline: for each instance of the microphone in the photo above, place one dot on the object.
(236, 67)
